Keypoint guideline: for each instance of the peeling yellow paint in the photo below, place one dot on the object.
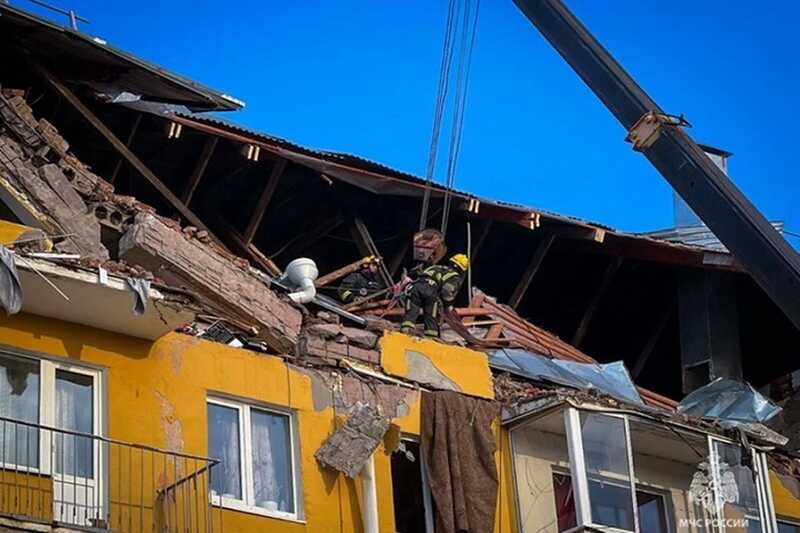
(467, 369)
(157, 394)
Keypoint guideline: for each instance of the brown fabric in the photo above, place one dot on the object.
(458, 453)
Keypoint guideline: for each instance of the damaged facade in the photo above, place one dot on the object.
(158, 377)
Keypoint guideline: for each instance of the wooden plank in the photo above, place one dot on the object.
(339, 273)
(250, 251)
(602, 288)
(123, 150)
(652, 341)
(199, 169)
(535, 262)
(483, 233)
(367, 247)
(263, 201)
(398, 258)
(128, 142)
(302, 241)
(577, 232)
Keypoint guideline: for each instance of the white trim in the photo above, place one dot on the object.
(247, 502)
(577, 464)
(632, 476)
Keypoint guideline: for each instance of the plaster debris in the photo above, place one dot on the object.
(351, 446)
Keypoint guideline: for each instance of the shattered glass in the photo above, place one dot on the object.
(611, 378)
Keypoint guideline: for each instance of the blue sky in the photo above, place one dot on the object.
(360, 76)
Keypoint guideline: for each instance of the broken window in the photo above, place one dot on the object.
(412, 498)
(633, 475)
(255, 447)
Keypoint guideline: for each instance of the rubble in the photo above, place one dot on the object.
(225, 285)
(351, 446)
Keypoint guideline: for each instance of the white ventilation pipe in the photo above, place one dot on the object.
(301, 273)
(370, 497)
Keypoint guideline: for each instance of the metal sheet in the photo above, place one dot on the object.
(728, 399)
(611, 378)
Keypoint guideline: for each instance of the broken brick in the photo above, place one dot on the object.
(166, 251)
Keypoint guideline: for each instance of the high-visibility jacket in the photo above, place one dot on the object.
(447, 280)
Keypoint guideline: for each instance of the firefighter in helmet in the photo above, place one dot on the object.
(362, 283)
(436, 286)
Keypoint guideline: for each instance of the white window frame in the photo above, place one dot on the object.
(47, 407)
(580, 485)
(763, 491)
(580, 479)
(647, 489)
(47, 418)
(247, 503)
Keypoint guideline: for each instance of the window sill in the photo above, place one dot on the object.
(240, 506)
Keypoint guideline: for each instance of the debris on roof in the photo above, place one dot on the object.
(611, 378)
(730, 400)
(224, 284)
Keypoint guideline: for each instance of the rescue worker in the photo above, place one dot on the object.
(437, 285)
(361, 283)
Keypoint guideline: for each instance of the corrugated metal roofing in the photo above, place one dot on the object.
(66, 49)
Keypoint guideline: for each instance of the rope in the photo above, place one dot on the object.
(468, 33)
(461, 26)
(441, 96)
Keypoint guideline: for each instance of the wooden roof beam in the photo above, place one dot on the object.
(278, 167)
(118, 145)
(199, 169)
(602, 288)
(533, 266)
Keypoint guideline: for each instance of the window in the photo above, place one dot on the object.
(51, 394)
(413, 506)
(650, 506)
(575, 469)
(20, 400)
(64, 396)
(255, 447)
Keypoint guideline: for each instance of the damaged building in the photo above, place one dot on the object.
(168, 365)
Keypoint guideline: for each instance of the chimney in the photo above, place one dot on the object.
(682, 214)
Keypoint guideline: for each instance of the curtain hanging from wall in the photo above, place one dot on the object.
(458, 456)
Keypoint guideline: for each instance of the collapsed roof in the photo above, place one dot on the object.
(611, 294)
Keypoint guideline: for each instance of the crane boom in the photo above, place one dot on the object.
(736, 222)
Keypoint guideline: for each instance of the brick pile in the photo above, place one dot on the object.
(225, 285)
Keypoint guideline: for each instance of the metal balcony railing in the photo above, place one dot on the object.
(81, 481)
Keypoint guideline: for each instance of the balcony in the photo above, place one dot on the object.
(52, 478)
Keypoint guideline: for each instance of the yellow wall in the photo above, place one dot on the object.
(157, 396)
(785, 496)
(467, 369)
